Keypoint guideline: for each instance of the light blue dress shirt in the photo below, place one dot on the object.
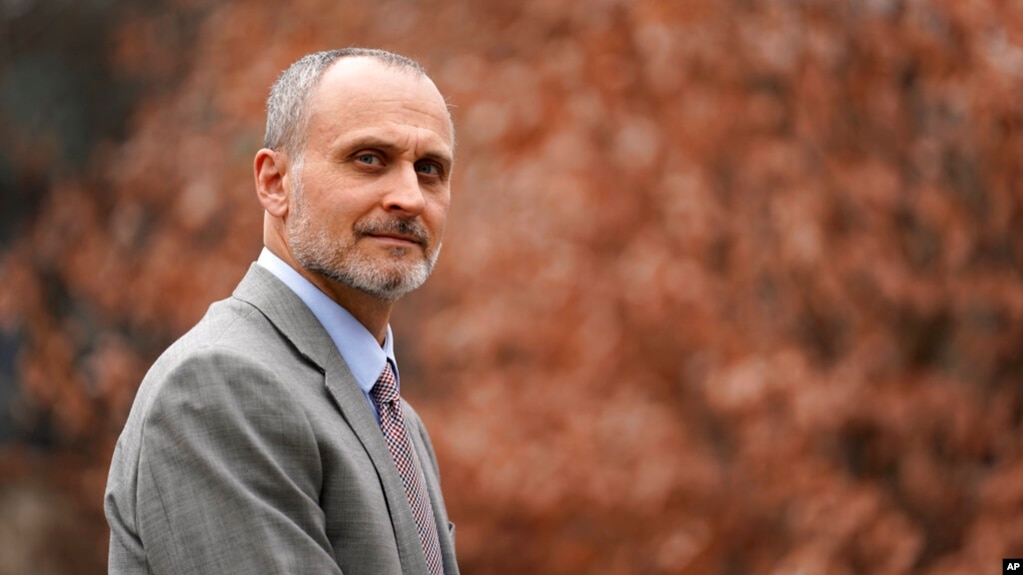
(364, 356)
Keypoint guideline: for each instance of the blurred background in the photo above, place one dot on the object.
(729, 287)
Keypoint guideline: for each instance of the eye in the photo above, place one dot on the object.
(428, 169)
(368, 159)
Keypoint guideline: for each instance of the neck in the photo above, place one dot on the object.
(372, 312)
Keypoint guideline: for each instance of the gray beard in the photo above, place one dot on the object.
(348, 267)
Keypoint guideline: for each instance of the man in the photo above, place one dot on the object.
(269, 439)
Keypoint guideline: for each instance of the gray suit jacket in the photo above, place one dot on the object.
(250, 449)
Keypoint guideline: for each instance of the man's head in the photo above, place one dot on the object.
(356, 170)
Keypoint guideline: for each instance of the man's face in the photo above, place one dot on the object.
(370, 198)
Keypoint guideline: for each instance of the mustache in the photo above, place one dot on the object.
(409, 227)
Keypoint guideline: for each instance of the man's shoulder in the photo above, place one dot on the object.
(232, 337)
(229, 324)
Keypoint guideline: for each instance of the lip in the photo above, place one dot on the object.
(397, 238)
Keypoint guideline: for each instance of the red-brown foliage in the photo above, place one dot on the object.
(728, 287)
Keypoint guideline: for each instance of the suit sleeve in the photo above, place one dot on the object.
(230, 474)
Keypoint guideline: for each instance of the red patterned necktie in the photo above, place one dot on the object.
(385, 395)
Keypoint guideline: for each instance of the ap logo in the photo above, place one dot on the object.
(1012, 566)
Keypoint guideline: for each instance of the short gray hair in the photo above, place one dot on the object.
(286, 116)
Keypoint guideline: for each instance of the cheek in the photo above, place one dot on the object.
(436, 216)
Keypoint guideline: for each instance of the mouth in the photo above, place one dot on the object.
(400, 232)
(403, 239)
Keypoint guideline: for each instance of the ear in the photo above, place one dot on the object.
(269, 168)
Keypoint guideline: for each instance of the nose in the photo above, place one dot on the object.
(404, 193)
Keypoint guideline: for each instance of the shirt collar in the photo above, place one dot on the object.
(364, 356)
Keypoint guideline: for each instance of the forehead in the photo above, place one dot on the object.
(363, 95)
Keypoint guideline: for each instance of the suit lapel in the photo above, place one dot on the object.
(346, 392)
(296, 322)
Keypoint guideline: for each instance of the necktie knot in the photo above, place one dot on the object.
(385, 390)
